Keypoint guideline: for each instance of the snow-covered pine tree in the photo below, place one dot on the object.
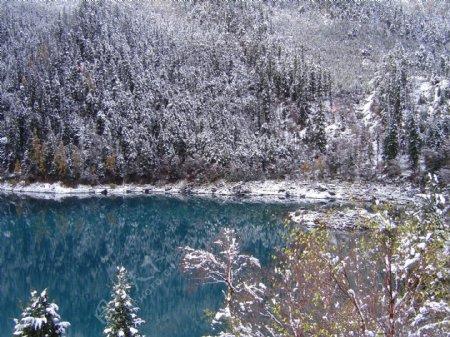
(121, 313)
(391, 146)
(40, 318)
(414, 142)
(316, 129)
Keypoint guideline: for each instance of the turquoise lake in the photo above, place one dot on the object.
(72, 247)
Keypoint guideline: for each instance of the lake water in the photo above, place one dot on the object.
(72, 247)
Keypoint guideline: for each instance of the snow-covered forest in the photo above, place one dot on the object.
(149, 91)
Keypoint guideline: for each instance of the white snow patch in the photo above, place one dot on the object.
(269, 190)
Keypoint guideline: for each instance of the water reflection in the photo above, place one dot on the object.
(73, 246)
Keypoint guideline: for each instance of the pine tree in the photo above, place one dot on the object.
(391, 145)
(413, 143)
(40, 318)
(316, 130)
(121, 314)
(304, 114)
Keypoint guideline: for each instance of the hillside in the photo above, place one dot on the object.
(160, 91)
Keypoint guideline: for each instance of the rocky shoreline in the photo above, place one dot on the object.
(270, 189)
(324, 195)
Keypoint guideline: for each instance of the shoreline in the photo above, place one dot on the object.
(281, 190)
(321, 194)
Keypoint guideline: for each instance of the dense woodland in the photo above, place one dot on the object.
(157, 91)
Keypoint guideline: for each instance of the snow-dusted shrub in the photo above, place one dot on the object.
(444, 176)
(392, 168)
(434, 160)
(223, 263)
(392, 280)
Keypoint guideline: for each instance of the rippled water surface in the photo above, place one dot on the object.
(73, 246)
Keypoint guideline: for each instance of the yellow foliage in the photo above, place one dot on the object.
(76, 161)
(110, 163)
(17, 168)
(38, 153)
(60, 160)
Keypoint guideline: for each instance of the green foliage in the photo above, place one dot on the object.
(316, 130)
(391, 146)
(313, 287)
(414, 143)
(391, 280)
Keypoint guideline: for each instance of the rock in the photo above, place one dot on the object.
(365, 52)
(104, 192)
(146, 191)
(236, 188)
(331, 192)
(186, 190)
(239, 190)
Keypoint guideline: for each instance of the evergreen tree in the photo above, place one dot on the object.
(391, 145)
(316, 130)
(304, 114)
(413, 143)
(3, 158)
(121, 314)
(40, 318)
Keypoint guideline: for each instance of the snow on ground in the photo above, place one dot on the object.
(341, 219)
(366, 111)
(281, 191)
(431, 94)
(269, 189)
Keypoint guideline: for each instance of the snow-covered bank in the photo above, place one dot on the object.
(349, 199)
(341, 219)
(269, 189)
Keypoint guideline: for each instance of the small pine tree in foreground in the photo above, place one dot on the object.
(121, 314)
(40, 318)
